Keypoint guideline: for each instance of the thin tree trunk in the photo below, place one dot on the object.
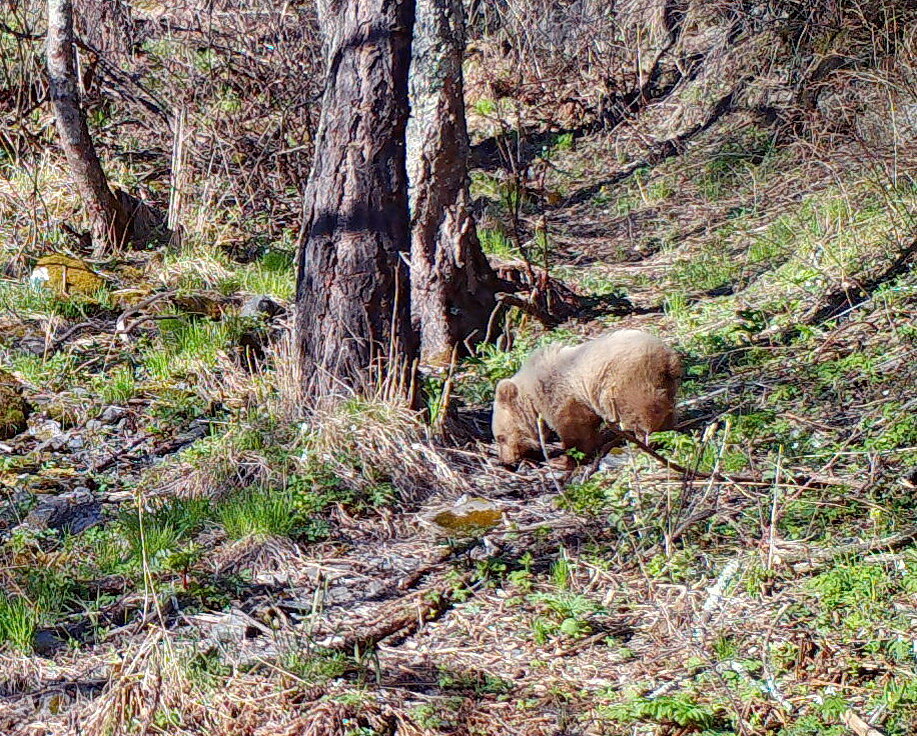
(353, 321)
(108, 219)
(452, 284)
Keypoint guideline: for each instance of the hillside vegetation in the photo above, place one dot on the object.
(190, 546)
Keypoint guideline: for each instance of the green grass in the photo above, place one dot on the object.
(313, 664)
(274, 274)
(156, 535)
(259, 512)
(185, 346)
(118, 387)
(55, 373)
(24, 299)
(495, 242)
(18, 623)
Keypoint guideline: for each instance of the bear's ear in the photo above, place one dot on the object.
(507, 391)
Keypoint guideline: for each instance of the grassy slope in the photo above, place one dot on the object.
(631, 601)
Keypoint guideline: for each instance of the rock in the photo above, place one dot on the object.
(113, 414)
(65, 275)
(469, 515)
(14, 410)
(71, 512)
(260, 306)
(206, 305)
(46, 642)
(47, 430)
(251, 349)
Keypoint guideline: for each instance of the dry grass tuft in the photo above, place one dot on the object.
(273, 559)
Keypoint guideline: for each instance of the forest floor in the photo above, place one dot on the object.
(186, 554)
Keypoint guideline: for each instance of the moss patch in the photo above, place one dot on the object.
(66, 275)
(14, 410)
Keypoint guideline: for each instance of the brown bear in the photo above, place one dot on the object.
(627, 377)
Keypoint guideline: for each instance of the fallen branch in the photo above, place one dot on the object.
(59, 342)
(123, 328)
(858, 725)
(400, 618)
(809, 559)
(691, 474)
(116, 456)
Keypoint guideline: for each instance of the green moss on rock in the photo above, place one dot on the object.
(14, 410)
(66, 275)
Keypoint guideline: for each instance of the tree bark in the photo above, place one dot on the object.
(108, 219)
(452, 284)
(353, 323)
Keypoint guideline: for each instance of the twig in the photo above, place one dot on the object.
(59, 342)
(858, 725)
(809, 559)
(115, 456)
(694, 474)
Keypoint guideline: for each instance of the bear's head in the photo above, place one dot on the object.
(652, 410)
(513, 432)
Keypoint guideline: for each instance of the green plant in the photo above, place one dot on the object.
(480, 683)
(119, 386)
(159, 533)
(188, 345)
(314, 664)
(682, 709)
(569, 613)
(588, 497)
(494, 242)
(18, 622)
(258, 511)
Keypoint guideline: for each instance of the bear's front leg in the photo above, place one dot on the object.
(578, 429)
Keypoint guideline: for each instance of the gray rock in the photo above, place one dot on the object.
(71, 512)
(260, 305)
(113, 414)
(55, 444)
(46, 642)
(47, 430)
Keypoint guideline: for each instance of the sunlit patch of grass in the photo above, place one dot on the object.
(196, 267)
(258, 512)
(495, 242)
(23, 299)
(188, 345)
(274, 274)
(18, 622)
(593, 280)
(156, 534)
(55, 372)
(800, 256)
(118, 387)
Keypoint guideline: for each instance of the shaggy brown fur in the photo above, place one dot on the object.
(628, 377)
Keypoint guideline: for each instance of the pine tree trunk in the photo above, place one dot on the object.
(452, 284)
(353, 321)
(108, 220)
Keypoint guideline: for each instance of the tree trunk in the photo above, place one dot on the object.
(452, 284)
(353, 323)
(108, 220)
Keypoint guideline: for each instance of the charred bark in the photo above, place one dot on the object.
(452, 285)
(109, 222)
(353, 323)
